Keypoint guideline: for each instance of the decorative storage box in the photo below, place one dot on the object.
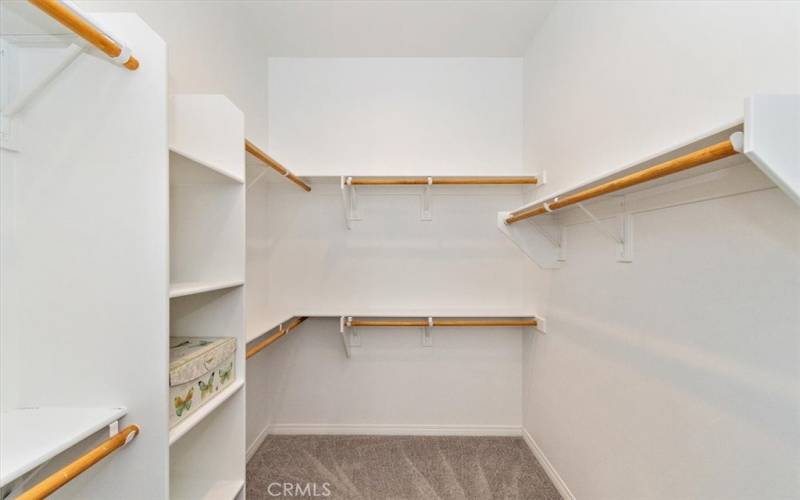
(198, 368)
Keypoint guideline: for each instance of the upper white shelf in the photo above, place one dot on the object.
(191, 288)
(768, 138)
(771, 127)
(32, 436)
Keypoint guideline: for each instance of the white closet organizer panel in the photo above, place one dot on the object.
(32, 436)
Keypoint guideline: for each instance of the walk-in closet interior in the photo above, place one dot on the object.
(399, 250)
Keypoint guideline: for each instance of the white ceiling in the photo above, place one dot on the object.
(347, 28)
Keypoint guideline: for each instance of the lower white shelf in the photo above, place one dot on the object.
(29, 437)
(204, 490)
(195, 418)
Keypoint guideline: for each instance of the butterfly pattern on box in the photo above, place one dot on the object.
(207, 387)
(225, 374)
(184, 403)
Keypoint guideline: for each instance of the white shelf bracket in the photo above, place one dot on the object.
(18, 104)
(427, 334)
(541, 324)
(624, 239)
(349, 200)
(556, 242)
(625, 222)
(538, 245)
(426, 202)
(343, 330)
(354, 338)
(113, 428)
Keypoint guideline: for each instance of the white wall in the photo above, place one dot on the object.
(401, 116)
(607, 83)
(674, 376)
(388, 117)
(389, 263)
(209, 53)
(465, 381)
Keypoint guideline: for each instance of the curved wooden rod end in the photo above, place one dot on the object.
(69, 472)
(132, 64)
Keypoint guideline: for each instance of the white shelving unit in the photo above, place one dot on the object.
(32, 436)
(207, 255)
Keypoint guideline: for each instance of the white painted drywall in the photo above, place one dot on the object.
(674, 376)
(388, 117)
(353, 28)
(393, 263)
(374, 116)
(214, 47)
(607, 83)
(469, 381)
(85, 256)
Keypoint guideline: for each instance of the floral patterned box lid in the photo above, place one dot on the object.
(192, 357)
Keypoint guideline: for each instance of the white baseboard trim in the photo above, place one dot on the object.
(552, 473)
(253, 448)
(397, 430)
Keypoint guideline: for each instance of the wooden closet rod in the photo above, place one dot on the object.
(84, 28)
(693, 159)
(272, 338)
(264, 157)
(71, 471)
(443, 322)
(398, 181)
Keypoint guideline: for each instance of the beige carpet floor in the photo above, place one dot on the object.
(396, 467)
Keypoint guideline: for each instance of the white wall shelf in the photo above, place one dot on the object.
(206, 490)
(771, 126)
(425, 187)
(350, 337)
(191, 288)
(274, 321)
(32, 436)
(182, 428)
(268, 325)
